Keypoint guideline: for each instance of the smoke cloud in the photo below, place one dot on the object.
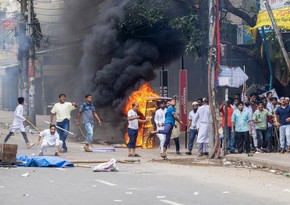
(114, 60)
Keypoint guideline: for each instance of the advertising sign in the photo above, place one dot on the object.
(183, 97)
(9, 24)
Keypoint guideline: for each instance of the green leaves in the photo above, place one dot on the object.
(179, 15)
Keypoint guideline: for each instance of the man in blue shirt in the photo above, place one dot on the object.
(89, 114)
(170, 117)
(283, 123)
(241, 123)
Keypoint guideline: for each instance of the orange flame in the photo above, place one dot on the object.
(141, 97)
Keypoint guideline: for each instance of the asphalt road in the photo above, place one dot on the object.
(145, 183)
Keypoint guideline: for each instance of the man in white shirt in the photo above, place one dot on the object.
(159, 119)
(133, 126)
(202, 116)
(192, 127)
(62, 112)
(50, 139)
(17, 124)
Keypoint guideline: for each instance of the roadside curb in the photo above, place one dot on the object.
(261, 162)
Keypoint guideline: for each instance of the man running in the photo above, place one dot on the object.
(62, 111)
(17, 124)
(88, 112)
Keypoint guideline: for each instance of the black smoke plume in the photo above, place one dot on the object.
(115, 58)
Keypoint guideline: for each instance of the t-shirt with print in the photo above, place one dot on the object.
(87, 111)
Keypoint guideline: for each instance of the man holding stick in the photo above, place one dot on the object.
(62, 111)
(50, 139)
(17, 124)
(88, 112)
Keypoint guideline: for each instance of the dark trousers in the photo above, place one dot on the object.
(167, 131)
(270, 139)
(133, 134)
(192, 134)
(63, 134)
(243, 141)
(262, 138)
(177, 145)
(11, 133)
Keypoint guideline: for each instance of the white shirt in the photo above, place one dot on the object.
(191, 117)
(62, 111)
(202, 114)
(133, 124)
(48, 137)
(17, 124)
(159, 118)
(250, 110)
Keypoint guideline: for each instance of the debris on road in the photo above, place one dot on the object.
(160, 197)
(126, 161)
(25, 175)
(226, 163)
(120, 146)
(109, 166)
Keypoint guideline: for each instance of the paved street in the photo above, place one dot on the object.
(152, 181)
(145, 183)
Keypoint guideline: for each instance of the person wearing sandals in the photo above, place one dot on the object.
(17, 124)
(133, 126)
(50, 139)
(202, 116)
(170, 117)
(159, 119)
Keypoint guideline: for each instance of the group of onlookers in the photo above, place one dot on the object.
(251, 124)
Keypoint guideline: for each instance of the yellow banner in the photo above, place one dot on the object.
(281, 16)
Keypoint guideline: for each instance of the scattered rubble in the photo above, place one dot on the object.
(25, 175)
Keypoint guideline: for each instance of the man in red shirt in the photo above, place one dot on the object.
(231, 140)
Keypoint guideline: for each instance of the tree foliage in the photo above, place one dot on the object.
(182, 16)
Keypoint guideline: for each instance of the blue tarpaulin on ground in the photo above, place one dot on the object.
(42, 161)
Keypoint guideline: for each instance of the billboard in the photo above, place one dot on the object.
(281, 12)
(183, 97)
(274, 4)
(9, 24)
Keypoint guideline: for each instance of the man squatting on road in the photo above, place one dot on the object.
(62, 112)
(50, 139)
(88, 112)
(17, 124)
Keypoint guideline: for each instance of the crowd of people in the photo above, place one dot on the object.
(252, 125)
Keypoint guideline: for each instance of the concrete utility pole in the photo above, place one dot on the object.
(278, 34)
(27, 58)
(23, 54)
(31, 65)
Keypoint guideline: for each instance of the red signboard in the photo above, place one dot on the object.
(183, 97)
(9, 24)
